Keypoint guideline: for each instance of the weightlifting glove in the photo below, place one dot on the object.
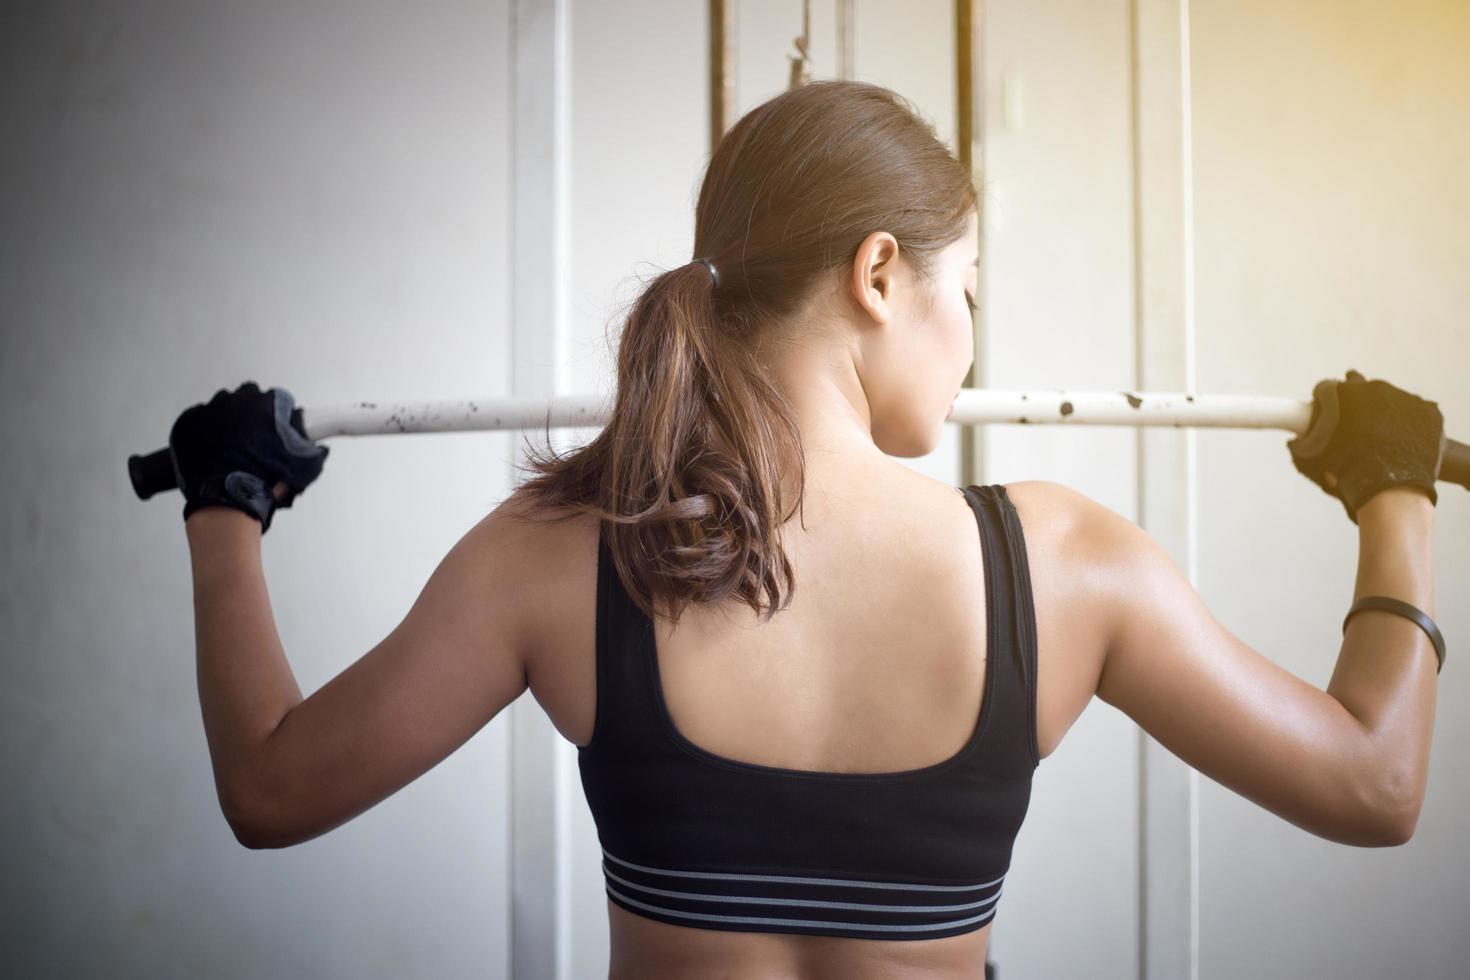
(1366, 436)
(232, 451)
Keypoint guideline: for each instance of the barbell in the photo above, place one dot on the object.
(154, 472)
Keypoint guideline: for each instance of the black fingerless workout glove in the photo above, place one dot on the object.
(232, 451)
(1371, 436)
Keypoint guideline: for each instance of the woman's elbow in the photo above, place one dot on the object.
(251, 821)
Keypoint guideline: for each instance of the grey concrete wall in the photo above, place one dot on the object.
(310, 195)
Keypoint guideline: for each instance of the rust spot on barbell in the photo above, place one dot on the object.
(1024, 420)
(1133, 400)
(1066, 408)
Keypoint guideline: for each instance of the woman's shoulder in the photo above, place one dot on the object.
(553, 534)
(1047, 508)
(1048, 511)
(555, 554)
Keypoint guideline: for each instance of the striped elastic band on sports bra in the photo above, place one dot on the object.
(803, 879)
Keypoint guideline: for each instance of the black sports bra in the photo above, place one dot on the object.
(694, 839)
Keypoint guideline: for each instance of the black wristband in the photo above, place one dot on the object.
(1387, 604)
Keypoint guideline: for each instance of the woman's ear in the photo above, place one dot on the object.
(873, 271)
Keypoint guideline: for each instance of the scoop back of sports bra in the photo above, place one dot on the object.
(694, 839)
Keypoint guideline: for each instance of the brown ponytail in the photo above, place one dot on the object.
(690, 475)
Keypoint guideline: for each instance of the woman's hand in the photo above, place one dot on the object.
(1368, 436)
(228, 451)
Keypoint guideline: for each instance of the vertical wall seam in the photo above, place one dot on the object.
(1134, 111)
(1191, 441)
(1166, 470)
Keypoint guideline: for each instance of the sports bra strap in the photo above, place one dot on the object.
(1012, 622)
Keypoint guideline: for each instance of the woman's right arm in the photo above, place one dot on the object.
(1346, 764)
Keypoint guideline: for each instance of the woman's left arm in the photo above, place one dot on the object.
(288, 770)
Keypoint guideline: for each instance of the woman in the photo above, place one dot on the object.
(809, 686)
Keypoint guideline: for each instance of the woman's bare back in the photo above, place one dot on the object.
(877, 666)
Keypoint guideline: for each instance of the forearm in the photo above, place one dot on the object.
(245, 682)
(1386, 671)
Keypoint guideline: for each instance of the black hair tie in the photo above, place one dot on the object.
(714, 276)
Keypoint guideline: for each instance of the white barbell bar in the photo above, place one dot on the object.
(973, 406)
